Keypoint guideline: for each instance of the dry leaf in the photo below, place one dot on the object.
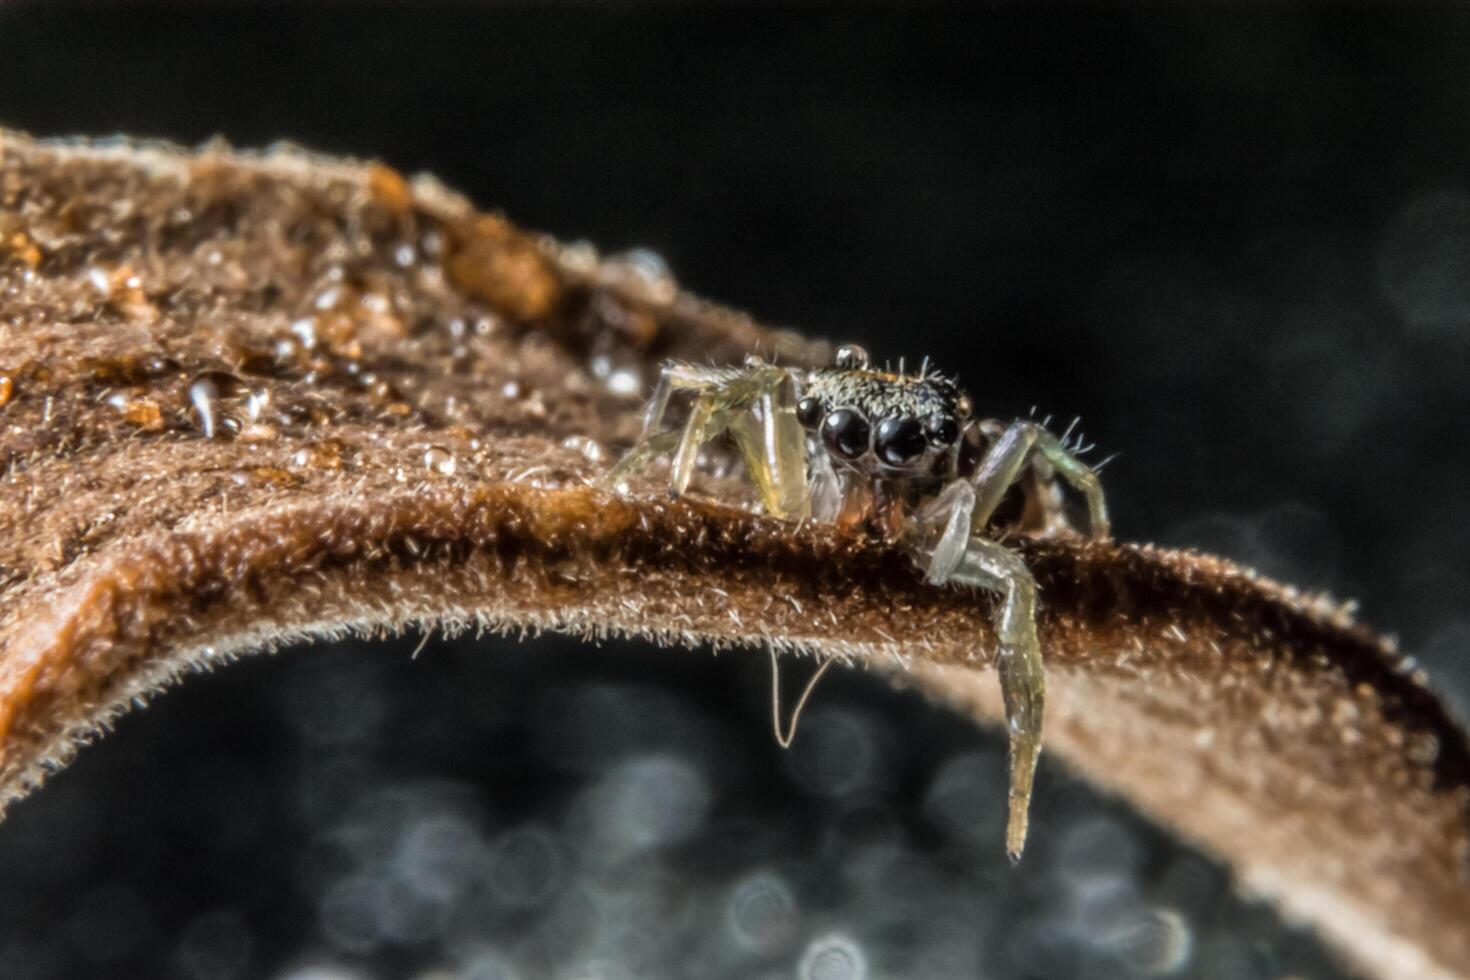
(249, 399)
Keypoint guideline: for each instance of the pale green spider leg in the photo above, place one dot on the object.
(962, 556)
(1013, 451)
(989, 565)
(772, 446)
(676, 377)
(652, 444)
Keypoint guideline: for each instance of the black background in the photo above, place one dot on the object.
(1236, 243)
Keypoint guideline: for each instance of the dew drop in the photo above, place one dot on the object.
(204, 395)
(439, 460)
(286, 352)
(625, 381)
(324, 455)
(591, 449)
(580, 256)
(156, 366)
(257, 403)
(305, 331)
(330, 298)
(645, 273)
(100, 280)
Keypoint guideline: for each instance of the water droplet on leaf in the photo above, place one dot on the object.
(439, 460)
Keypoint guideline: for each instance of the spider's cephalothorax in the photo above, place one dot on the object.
(885, 424)
(853, 444)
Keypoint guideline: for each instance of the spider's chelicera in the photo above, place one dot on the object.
(899, 453)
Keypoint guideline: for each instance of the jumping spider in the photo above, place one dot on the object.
(900, 452)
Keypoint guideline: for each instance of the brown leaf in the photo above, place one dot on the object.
(246, 399)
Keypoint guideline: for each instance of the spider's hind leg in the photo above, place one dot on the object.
(951, 553)
(772, 443)
(653, 444)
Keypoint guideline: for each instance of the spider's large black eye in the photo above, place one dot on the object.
(942, 430)
(809, 412)
(845, 433)
(899, 441)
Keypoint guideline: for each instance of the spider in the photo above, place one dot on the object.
(900, 454)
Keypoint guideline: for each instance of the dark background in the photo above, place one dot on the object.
(1236, 243)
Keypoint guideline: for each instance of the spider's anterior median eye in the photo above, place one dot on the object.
(899, 441)
(845, 433)
(809, 412)
(942, 429)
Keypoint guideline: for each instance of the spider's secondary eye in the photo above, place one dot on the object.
(809, 412)
(845, 433)
(942, 429)
(899, 441)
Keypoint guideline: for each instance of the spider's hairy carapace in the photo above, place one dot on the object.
(902, 454)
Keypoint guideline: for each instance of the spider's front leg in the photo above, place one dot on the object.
(959, 554)
(960, 557)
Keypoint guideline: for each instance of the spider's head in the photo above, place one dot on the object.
(884, 423)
